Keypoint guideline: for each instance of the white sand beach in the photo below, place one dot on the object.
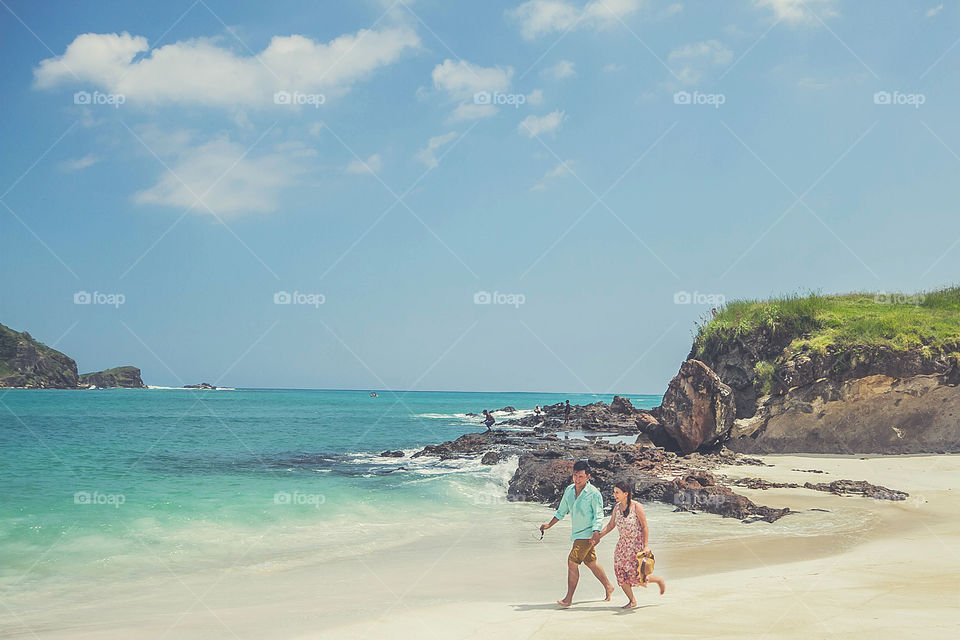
(864, 567)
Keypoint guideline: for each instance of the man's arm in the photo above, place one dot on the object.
(562, 510)
(564, 507)
(552, 522)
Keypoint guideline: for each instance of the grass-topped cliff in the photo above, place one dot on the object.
(927, 320)
(764, 346)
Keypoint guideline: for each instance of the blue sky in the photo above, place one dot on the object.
(381, 167)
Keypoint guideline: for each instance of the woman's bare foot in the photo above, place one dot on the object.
(610, 590)
(629, 605)
(564, 603)
(663, 587)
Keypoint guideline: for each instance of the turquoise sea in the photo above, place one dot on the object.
(114, 485)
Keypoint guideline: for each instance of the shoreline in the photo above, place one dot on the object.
(491, 577)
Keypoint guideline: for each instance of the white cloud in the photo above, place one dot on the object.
(688, 61)
(612, 67)
(563, 69)
(562, 169)
(800, 12)
(535, 97)
(537, 125)
(673, 9)
(934, 10)
(227, 177)
(370, 165)
(541, 17)
(201, 71)
(76, 164)
(463, 81)
(427, 155)
(471, 111)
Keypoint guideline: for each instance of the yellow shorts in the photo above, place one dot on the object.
(583, 551)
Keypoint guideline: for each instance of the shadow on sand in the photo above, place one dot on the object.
(610, 608)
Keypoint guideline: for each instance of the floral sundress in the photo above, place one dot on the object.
(628, 546)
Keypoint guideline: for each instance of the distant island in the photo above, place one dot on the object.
(127, 377)
(30, 364)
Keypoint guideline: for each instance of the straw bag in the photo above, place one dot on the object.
(645, 564)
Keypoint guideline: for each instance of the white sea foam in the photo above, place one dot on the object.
(154, 386)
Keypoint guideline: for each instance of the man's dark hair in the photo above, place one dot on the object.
(581, 465)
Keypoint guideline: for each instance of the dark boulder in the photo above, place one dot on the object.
(491, 457)
(698, 409)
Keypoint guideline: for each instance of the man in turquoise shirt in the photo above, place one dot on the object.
(585, 504)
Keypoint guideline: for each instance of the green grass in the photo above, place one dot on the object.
(929, 322)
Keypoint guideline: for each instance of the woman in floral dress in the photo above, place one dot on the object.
(631, 524)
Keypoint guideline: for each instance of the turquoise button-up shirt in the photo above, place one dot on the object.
(586, 511)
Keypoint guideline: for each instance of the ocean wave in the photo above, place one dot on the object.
(430, 466)
(153, 386)
(477, 417)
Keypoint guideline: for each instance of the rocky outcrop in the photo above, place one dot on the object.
(840, 398)
(620, 416)
(543, 476)
(734, 359)
(126, 377)
(545, 465)
(837, 487)
(202, 385)
(24, 362)
(872, 414)
(698, 409)
(700, 492)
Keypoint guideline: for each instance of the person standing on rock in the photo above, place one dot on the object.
(566, 414)
(488, 420)
(585, 504)
(631, 523)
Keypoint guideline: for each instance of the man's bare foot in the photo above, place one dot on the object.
(610, 590)
(629, 605)
(564, 603)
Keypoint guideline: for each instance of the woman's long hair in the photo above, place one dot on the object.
(627, 488)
